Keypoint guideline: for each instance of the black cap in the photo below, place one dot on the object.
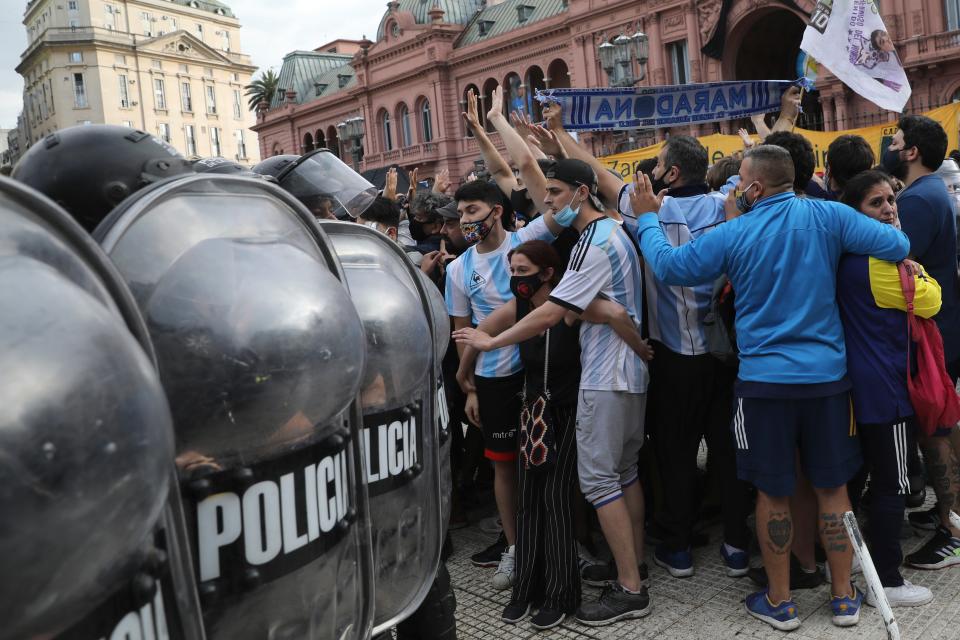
(577, 173)
(449, 211)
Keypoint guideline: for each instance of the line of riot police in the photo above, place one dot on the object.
(221, 417)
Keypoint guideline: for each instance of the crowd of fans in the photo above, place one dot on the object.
(604, 330)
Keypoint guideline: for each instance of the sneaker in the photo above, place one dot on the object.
(928, 520)
(846, 609)
(515, 611)
(678, 563)
(602, 575)
(491, 525)
(781, 616)
(855, 568)
(614, 604)
(906, 595)
(505, 574)
(490, 557)
(738, 562)
(547, 619)
(940, 551)
(799, 579)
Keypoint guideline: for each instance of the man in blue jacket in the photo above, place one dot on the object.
(792, 393)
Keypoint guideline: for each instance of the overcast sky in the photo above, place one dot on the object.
(269, 30)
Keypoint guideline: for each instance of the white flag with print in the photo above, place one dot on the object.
(849, 39)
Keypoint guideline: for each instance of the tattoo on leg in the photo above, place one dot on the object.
(833, 533)
(780, 530)
(942, 477)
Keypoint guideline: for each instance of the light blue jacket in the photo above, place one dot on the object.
(782, 261)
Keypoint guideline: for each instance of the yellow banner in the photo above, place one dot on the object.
(719, 145)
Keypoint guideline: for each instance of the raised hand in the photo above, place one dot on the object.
(545, 139)
(553, 115)
(471, 116)
(642, 198)
(390, 188)
(747, 140)
(496, 104)
(441, 182)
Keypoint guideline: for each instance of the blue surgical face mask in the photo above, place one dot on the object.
(742, 203)
(568, 214)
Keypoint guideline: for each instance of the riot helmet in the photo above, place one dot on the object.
(90, 169)
(85, 431)
(218, 164)
(320, 180)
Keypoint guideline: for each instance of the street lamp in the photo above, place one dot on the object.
(352, 130)
(617, 58)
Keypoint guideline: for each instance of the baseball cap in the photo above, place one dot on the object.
(576, 172)
(449, 211)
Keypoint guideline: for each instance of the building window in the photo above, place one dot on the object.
(211, 99)
(191, 139)
(124, 95)
(74, 24)
(184, 68)
(72, 5)
(237, 104)
(207, 71)
(406, 139)
(76, 57)
(53, 103)
(186, 101)
(235, 77)
(128, 124)
(163, 129)
(226, 41)
(159, 93)
(200, 31)
(173, 23)
(215, 141)
(425, 121)
(79, 92)
(146, 22)
(241, 146)
(156, 64)
(679, 61)
(120, 59)
(952, 13)
(110, 16)
(385, 127)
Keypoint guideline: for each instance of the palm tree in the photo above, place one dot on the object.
(262, 89)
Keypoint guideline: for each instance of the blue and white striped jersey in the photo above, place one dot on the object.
(675, 314)
(605, 262)
(478, 283)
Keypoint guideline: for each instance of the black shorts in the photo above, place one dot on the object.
(500, 406)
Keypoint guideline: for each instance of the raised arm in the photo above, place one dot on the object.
(497, 166)
(530, 171)
(609, 184)
(789, 110)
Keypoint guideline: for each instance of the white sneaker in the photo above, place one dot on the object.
(491, 525)
(906, 595)
(855, 568)
(505, 575)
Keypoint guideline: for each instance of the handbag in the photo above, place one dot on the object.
(537, 423)
(932, 393)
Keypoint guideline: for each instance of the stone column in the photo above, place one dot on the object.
(655, 66)
(693, 42)
(829, 112)
(840, 107)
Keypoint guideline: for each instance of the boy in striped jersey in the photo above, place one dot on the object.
(477, 283)
(613, 385)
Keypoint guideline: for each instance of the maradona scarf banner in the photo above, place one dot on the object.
(656, 107)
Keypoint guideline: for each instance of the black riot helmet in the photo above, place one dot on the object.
(218, 164)
(322, 182)
(90, 169)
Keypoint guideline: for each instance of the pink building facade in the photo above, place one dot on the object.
(409, 85)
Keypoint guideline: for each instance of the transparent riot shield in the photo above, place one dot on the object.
(400, 442)
(89, 531)
(441, 339)
(261, 353)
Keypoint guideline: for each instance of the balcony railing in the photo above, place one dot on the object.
(936, 43)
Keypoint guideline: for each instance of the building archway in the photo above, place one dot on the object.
(534, 80)
(333, 140)
(764, 45)
(320, 140)
(487, 100)
(559, 74)
(307, 142)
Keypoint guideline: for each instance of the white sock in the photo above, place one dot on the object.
(731, 550)
(510, 549)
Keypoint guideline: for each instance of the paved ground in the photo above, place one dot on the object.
(708, 605)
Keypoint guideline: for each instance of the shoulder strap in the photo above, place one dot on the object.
(908, 285)
(546, 365)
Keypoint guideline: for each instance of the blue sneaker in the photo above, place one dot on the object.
(846, 610)
(738, 562)
(781, 616)
(678, 563)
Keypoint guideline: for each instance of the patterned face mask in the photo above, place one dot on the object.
(474, 232)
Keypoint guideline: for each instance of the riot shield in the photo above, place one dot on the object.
(261, 354)
(400, 444)
(89, 532)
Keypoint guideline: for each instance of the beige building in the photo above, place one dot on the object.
(169, 67)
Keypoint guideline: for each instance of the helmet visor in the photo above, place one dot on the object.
(321, 180)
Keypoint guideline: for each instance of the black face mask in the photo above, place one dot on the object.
(894, 164)
(659, 184)
(417, 230)
(525, 286)
(521, 202)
